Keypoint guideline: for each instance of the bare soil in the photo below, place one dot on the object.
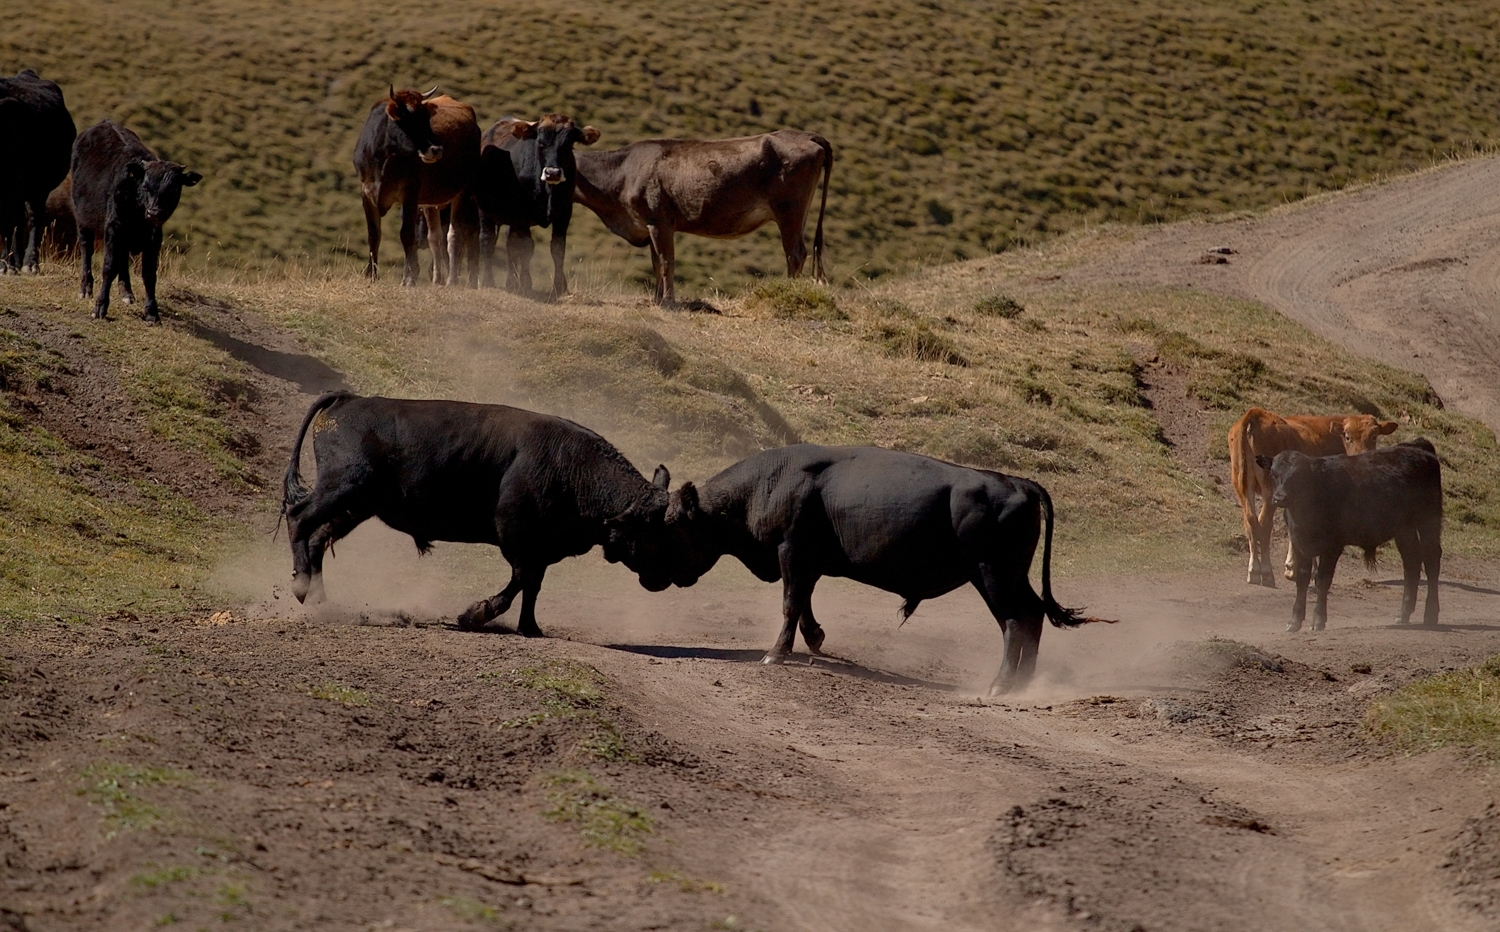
(1191, 768)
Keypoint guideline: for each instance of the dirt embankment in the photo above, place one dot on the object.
(1406, 272)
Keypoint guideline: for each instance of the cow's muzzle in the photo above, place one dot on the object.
(431, 154)
(553, 176)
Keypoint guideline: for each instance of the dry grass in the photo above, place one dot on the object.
(960, 128)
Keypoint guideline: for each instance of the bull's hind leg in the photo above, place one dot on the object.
(792, 242)
(796, 601)
(1408, 544)
(1019, 612)
(519, 247)
(1432, 560)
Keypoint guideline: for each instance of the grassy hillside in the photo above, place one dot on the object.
(961, 128)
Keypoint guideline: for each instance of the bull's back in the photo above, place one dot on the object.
(1369, 498)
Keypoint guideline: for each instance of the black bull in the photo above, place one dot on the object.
(904, 523)
(540, 488)
(1363, 500)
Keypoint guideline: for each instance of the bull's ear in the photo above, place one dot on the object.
(190, 178)
(1263, 461)
(1388, 427)
(523, 130)
(136, 169)
(684, 503)
(590, 136)
(392, 109)
(661, 478)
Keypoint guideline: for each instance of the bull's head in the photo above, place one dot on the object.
(412, 114)
(158, 186)
(1361, 433)
(1290, 473)
(555, 136)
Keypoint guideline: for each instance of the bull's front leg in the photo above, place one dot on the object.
(149, 259)
(1327, 562)
(812, 632)
(1408, 546)
(409, 212)
(1302, 574)
(480, 612)
(664, 251)
(559, 249)
(796, 599)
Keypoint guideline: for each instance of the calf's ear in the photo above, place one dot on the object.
(135, 169)
(190, 178)
(1263, 461)
(523, 130)
(661, 478)
(1388, 427)
(590, 136)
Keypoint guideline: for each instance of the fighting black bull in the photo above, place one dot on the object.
(910, 525)
(1364, 500)
(540, 488)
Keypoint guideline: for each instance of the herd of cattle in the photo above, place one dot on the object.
(543, 489)
(426, 153)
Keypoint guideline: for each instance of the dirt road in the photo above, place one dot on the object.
(1406, 272)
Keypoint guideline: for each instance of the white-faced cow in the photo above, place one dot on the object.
(122, 190)
(540, 488)
(527, 174)
(36, 139)
(1261, 433)
(725, 188)
(419, 151)
(1364, 500)
(908, 524)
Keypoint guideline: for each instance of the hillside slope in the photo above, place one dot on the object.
(960, 128)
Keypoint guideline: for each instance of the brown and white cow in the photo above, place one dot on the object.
(1262, 433)
(420, 151)
(651, 190)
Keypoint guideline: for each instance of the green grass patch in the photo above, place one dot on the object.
(114, 787)
(795, 299)
(1461, 709)
(605, 820)
(157, 877)
(685, 883)
(999, 305)
(346, 696)
(575, 692)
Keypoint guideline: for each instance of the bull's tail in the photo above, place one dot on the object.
(1061, 617)
(818, 273)
(1369, 558)
(292, 492)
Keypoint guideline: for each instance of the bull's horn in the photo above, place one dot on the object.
(393, 92)
(428, 95)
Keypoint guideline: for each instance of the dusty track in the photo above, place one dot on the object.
(1406, 272)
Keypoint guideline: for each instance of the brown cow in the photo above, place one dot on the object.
(419, 151)
(651, 190)
(1261, 433)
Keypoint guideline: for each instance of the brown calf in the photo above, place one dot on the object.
(725, 188)
(1261, 433)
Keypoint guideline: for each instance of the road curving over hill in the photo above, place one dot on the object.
(1406, 272)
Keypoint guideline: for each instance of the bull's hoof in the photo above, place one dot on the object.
(301, 583)
(474, 616)
(1319, 625)
(1268, 580)
(316, 595)
(1289, 573)
(529, 631)
(774, 657)
(1292, 627)
(814, 640)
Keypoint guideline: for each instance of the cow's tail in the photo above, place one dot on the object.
(1369, 558)
(293, 494)
(827, 147)
(1061, 617)
(1241, 462)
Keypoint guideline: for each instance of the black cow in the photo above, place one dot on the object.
(1365, 500)
(419, 151)
(36, 136)
(540, 488)
(121, 188)
(904, 523)
(526, 178)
